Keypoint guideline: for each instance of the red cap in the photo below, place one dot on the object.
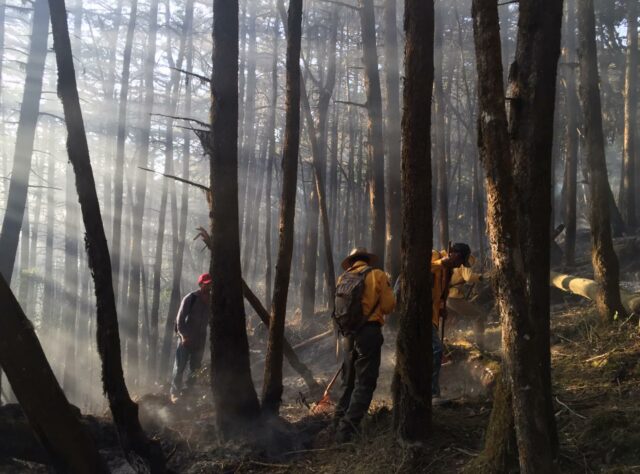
(204, 279)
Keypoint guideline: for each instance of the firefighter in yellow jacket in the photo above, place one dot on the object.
(367, 289)
(443, 266)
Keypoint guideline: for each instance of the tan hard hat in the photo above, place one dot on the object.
(355, 254)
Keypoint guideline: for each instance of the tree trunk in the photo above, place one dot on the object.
(133, 305)
(411, 382)
(230, 366)
(605, 261)
(320, 191)
(174, 301)
(118, 185)
(70, 286)
(571, 140)
(627, 199)
(141, 453)
(514, 246)
(533, 81)
(440, 151)
(272, 389)
(48, 324)
(393, 131)
(271, 130)
(499, 454)
(27, 123)
(57, 426)
(376, 143)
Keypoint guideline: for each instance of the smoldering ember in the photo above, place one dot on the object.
(319, 236)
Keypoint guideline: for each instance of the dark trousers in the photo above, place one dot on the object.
(184, 356)
(359, 376)
(436, 347)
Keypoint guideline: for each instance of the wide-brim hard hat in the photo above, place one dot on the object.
(357, 253)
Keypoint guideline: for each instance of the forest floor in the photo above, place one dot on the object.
(596, 384)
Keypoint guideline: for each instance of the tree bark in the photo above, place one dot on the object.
(604, 259)
(27, 123)
(141, 453)
(412, 377)
(375, 138)
(230, 368)
(272, 388)
(627, 201)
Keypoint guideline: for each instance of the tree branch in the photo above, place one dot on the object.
(177, 178)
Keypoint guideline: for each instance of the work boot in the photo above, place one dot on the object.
(343, 436)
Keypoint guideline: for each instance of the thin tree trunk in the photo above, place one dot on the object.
(376, 143)
(133, 305)
(141, 453)
(25, 135)
(234, 395)
(174, 301)
(70, 285)
(571, 139)
(393, 131)
(271, 130)
(411, 382)
(604, 259)
(272, 389)
(118, 178)
(628, 198)
(320, 190)
(440, 152)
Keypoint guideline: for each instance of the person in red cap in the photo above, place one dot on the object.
(191, 328)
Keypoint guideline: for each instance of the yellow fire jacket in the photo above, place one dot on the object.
(377, 289)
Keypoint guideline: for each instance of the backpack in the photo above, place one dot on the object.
(347, 311)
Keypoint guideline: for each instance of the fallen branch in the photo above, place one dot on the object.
(177, 178)
(570, 410)
(288, 351)
(314, 339)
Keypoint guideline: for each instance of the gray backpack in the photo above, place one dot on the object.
(347, 311)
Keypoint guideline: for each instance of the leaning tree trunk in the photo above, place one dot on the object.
(393, 131)
(520, 337)
(56, 425)
(272, 389)
(605, 261)
(376, 142)
(411, 382)
(29, 110)
(628, 179)
(234, 395)
(142, 453)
